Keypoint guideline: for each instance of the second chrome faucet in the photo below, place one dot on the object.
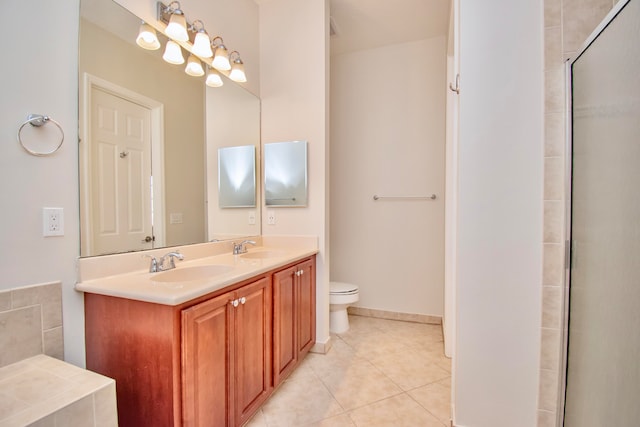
(241, 248)
(166, 262)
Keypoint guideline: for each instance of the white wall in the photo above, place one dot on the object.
(499, 213)
(40, 75)
(388, 138)
(294, 92)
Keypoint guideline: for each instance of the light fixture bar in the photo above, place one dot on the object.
(196, 40)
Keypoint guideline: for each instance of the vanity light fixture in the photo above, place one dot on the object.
(177, 28)
(147, 37)
(201, 42)
(221, 58)
(237, 68)
(194, 66)
(173, 53)
(194, 39)
(213, 78)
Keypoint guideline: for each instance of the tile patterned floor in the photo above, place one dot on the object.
(381, 373)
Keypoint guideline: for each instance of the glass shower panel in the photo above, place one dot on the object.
(603, 364)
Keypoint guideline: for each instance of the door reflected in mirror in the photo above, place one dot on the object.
(285, 173)
(149, 142)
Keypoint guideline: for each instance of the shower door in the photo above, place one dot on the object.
(603, 355)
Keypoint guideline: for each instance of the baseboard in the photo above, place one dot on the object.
(322, 347)
(392, 315)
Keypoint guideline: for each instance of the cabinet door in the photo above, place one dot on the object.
(285, 351)
(306, 305)
(253, 347)
(207, 363)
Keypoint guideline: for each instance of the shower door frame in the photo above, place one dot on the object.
(568, 199)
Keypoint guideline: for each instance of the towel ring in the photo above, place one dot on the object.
(38, 120)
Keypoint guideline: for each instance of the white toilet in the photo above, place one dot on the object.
(341, 296)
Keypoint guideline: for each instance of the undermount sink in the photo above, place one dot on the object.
(187, 274)
(263, 254)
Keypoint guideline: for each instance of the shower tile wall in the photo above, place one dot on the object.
(31, 322)
(567, 24)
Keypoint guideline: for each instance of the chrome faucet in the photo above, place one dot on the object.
(166, 262)
(241, 248)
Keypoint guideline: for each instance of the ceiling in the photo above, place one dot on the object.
(367, 24)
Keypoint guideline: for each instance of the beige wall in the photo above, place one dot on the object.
(387, 138)
(567, 24)
(110, 58)
(294, 92)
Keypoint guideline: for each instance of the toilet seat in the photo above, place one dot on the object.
(340, 288)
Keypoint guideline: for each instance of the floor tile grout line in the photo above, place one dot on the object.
(426, 345)
(425, 408)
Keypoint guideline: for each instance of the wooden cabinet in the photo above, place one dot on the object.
(226, 351)
(211, 361)
(294, 316)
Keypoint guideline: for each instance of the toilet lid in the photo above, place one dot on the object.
(343, 288)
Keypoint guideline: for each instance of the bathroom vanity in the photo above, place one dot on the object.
(206, 351)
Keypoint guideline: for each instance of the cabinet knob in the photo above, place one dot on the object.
(235, 303)
(243, 300)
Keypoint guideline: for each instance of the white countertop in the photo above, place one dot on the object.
(140, 284)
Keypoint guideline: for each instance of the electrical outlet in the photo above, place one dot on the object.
(271, 217)
(52, 222)
(252, 217)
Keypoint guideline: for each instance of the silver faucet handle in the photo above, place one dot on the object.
(240, 248)
(153, 267)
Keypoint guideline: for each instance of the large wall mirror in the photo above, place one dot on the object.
(150, 136)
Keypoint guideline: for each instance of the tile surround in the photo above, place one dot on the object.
(43, 391)
(31, 322)
(372, 376)
(554, 134)
(567, 25)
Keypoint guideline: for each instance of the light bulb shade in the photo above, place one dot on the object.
(173, 53)
(221, 59)
(177, 28)
(214, 79)
(202, 45)
(147, 38)
(237, 72)
(194, 67)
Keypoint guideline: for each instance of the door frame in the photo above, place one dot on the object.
(449, 317)
(90, 82)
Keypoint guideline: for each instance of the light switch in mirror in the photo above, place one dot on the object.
(237, 177)
(285, 173)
